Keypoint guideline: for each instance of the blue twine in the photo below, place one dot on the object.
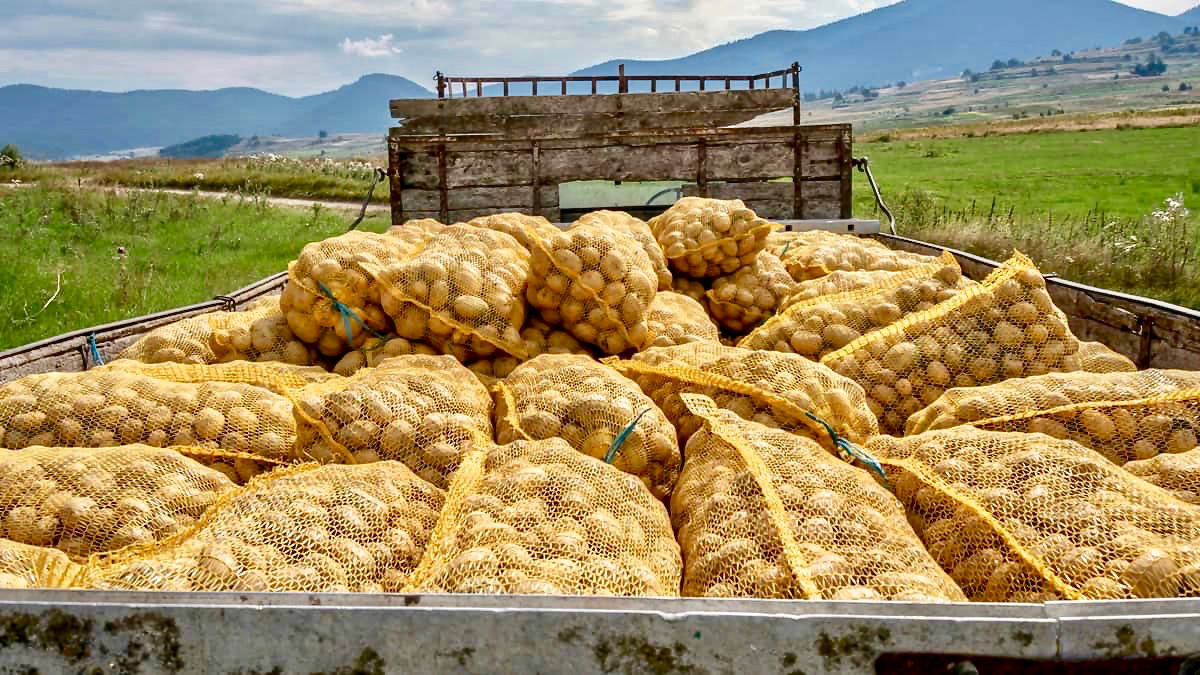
(786, 246)
(621, 438)
(847, 446)
(94, 350)
(347, 315)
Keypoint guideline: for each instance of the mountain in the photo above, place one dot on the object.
(1192, 14)
(916, 40)
(58, 123)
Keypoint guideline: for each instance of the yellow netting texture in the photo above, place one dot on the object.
(692, 288)
(834, 283)
(537, 517)
(595, 282)
(1178, 474)
(780, 242)
(763, 513)
(1005, 327)
(816, 327)
(848, 253)
(339, 267)
(1123, 416)
(1095, 357)
(306, 529)
(639, 230)
(258, 333)
(414, 233)
(462, 292)
(1028, 518)
(24, 566)
(375, 350)
(705, 238)
(676, 319)
(539, 338)
(84, 501)
(271, 375)
(589, 405)
(419, 410)
(519, 226)
(771, 388)
(104, 407)
(741, 300)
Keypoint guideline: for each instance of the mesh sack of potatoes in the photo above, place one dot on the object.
(848, 253)
(1005, 327)
(638, 230)
(692, 288)
(763, 513)
(1095, 357)
(1178, 473)
(274, 376)
(741, 300)
(708, 238)
(1122, 416)
(332, 299)
(595, 282)
(25, 566)
(595, 409)
(519, 226)
(539, 338)
(538, 517)
(676, 319)
(419, 410)
(1019, 517)
(375, 350)
(814, 328)
(104, 407)
(834, 283)
(257, 333)
(462, 292)
(414, 233)
(85, 501)
(774, 389)
(303, 529)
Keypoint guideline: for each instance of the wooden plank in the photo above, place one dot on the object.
(773, 200)
(458, 199)
(463, 215)
(494, 142)
(670, 102)
(575, 125)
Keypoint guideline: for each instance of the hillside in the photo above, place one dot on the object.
(1192, 14)
(57, 123)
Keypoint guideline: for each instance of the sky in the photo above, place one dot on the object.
(300, 47)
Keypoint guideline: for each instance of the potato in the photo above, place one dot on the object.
(638, 230)
(1177, 473)
(814, 328)
(277, 377)
(25, 566)
(745, 485)
(559, 523)
(676, 319)
(766, 387)
(340, 268)
(1026, 517)
(519, 226)
(1095, 357)
(596, 283)
(461, 292)
(845, 252)
(375, 350)
(834, 283)
(1123, 416)
(708, 238)
(307, 529)
(420, 410)
(741, 300)
(966, 341)
(414, 233)
(692, 288)
(553, 392)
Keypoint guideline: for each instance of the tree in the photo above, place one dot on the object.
(967, 73)
(1055, 53)
(1013, 63)
(1033, 72)
(998, 65)
(322, 134)
(1166, 87)
(1153, 67)
(1134, 41)
(1067, 58)
(1184, 86)
(10, 157)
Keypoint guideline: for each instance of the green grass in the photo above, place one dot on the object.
(179, 250)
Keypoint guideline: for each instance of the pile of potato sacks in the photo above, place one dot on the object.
(697, 405)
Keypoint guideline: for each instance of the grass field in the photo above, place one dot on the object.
(62, 245)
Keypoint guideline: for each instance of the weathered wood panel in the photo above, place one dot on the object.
(773, 201)
(460, 216)
(510, 198)
(573, 126)
(610, 104)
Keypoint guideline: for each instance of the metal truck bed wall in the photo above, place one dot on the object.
(95, 631)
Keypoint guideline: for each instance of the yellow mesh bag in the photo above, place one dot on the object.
(274, 376)
(814, 328)
(704, 238)
(1179, 474)
(376, 350)
(638, 230)
(849, 253)
(539, 338)
(763, 513)
(419, 410)
(1095, 357)
(84, 501)
(692, 288)
(105, 407)
(595, 282)
(741, 300)
(596, 410)
(414, 233)
(258, 333)
(834, 283)
(774, 389)
(1028, 518)
(1005, 327)
(461, 293)
(676, 319)
(302, 529)
(1122, 416)
(24, 566)
(537, 517)
(332, 299)
(519, 226)
(780, 242)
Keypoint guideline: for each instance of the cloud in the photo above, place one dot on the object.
(368, 48)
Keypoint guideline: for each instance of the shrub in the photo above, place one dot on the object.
(10, 157)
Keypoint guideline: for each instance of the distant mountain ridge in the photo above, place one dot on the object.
(1192, 14)
(57, 123)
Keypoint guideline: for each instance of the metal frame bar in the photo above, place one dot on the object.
(446, 83)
